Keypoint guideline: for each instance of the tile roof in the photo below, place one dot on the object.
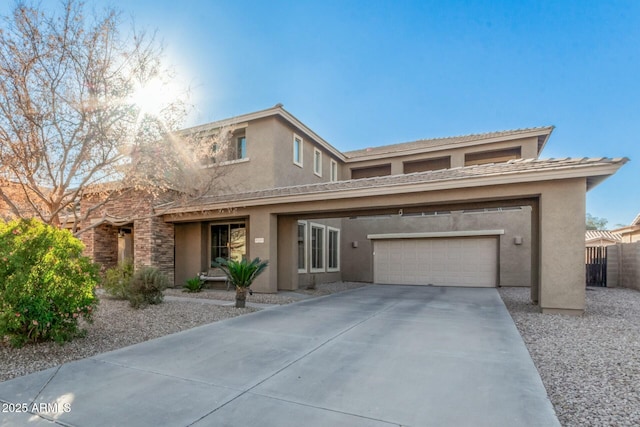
(501, 170)
(437, 142)
(591, 235)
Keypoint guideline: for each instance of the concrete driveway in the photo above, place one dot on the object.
(374, 356)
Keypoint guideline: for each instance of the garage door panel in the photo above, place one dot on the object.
(441, 261)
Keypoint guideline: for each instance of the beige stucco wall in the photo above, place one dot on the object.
(190, 250)
(558, 277)
(562, 228)
(288, 173)
(514, 260)
(256, 172)
(269, 162)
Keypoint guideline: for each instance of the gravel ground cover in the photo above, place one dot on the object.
(590, 365)
(115, 325)
(118, 325)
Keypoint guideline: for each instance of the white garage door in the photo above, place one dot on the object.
(471, 261)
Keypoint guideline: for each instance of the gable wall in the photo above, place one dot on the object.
(286, 172)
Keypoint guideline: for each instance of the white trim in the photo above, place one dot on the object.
(317, 153)
(297, 138)
(306, 247)
(313, 225)
(436, 234)
(232, 162)
(329, 230)
(333, 167)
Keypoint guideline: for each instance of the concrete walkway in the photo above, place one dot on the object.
(373, 356)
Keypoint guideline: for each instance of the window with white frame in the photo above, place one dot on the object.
(238, 150)
(334, 171)
(333, 249)
(317, 248)
(302, 247)
(297, 150)
(317, 162)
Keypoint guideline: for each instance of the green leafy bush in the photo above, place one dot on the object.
(194, 284)
(46, 284)
(146, 287)
(116, 280)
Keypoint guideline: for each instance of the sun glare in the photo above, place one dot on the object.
(154, 96)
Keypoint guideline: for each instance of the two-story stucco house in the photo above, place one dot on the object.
(475, 210)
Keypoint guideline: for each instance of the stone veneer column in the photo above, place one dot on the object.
(153, 245)
(101, 245)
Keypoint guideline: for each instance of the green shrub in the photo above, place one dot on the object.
(46, 284)
(146, 287)
(116, 280)
(193, 285)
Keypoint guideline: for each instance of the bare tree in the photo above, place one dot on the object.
(74, 116)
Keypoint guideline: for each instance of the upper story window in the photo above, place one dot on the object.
(333, 171)
(427, 165)
(494, 156)
(297, 150)
(371, 171)
(317, 162)
(238, 149)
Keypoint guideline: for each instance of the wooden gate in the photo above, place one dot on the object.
(596, 261)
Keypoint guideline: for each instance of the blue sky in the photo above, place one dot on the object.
(366, 73)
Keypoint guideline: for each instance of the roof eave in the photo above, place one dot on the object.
(545, 133)
(576, 171)
(277, 110)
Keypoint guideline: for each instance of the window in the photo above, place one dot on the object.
(302, 247)
(427, 165)
(297, 150)
(333, 249)
(496, 156)
(317, 248)
(238, 150)
(317, 162)
(228, 241)
(334, 170)
(371, 171)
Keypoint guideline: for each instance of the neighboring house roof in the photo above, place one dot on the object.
(631, 228)
(513, 171)
(598, 235)
(542, 133)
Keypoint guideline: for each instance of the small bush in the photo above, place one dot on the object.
(116, 280)
(146, 287)
(46, 284)
(193, 285)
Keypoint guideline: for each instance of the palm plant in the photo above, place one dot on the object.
(241, 274)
